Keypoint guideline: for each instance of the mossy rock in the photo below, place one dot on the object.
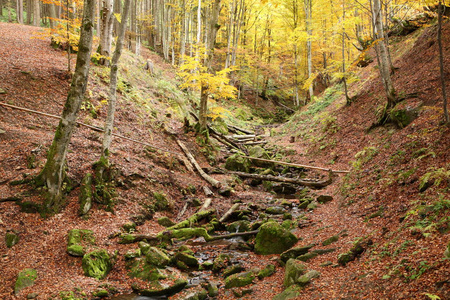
(141, 269)
(11, 238)
(193, 293)
(307, 256)
(132, 254)
(295, 252)
(97, 264)
(306, 278)
(272, 238)
(275, 210)
(212, 288)
(129, 227)
(86, 195)
(156, 257)
(173, 283)
(402, 117)
(144, 247)
(184, 233)
(239, 226)
(237, 162)
(101, 293)
(187, 259)
(26, 278)
(162, 203)
(234, 269)
(345, 258)
(166, 222)
(268, 270)
(292, 292)
(330, 240)
(260, 152)
(239, 280)
(447, 251)
(324, 199)
(293, 271)
(78, 240)
(221, 262)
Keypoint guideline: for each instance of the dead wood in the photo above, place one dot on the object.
(215, 183)
(232, 235)
(302, 182)
(195, 218)
(296, 165)
(240, 129)
(229, 212)
(11, 199)
(206, 204)
(207, 191)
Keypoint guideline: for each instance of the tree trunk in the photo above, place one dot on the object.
(53, 173)
(383, 54)
(308, 14)
(52, 15)
(19, 11)
(113, 81)
(441, 62)
(203, 110)
(106, 27)
(36, 13)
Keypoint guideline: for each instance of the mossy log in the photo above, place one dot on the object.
(302, 182)
(195, 218)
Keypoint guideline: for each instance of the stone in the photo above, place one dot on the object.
(272, 238)
(239, 280)
(295, 252)
(139, 268)
(306, 278)
(25, 278)
(97, 264)
(212, 289)
(189, 260)
(402, 117)
(232, 270)
(32, 296)
(11, 238)
(313, 205)
(237, 163)
(129, 227)
(293, 271)
(221, 262)
(162, 203)
(284, 188)
(101, 293)
(260, 152)
(266, 272)
(324, 199)
(330, 240)
(345, 258)
(275, 210)
(447, 251)
(173, 283)
(131, 254)
(166, 222)
(292, 292)
(239, 226)
(78, 240)
(156, 257)
(307, 256)
(192, 293)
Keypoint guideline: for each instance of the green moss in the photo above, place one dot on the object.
(330, 240)
(221, 262)
(86, 195)
(237, 162)
(26, 278)
(293, 271)
(161, 202)
(97, 264)
(239, 280)
(266, 272)
(11, 239)
(78, 240)
(157, 257)
(272, 238)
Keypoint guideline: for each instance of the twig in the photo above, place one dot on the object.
(206, 204)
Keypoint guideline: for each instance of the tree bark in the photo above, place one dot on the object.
(19, 11)
(52, 175)
(106, 27)
(113, 81)
(441, 62)
(36, 13)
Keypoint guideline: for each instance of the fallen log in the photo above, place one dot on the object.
(253, 143)
(302, 182)
(230, 211)
(207, 191)
(206, 204)
(215, 183)
(195, 218)
(240, 129)
(296, 165)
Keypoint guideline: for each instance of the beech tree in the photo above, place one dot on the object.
(53, 174)
(441, 10)
(106, 28)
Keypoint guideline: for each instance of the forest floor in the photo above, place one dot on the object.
(379, 200)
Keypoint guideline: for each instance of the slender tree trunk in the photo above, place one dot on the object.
(19, 11)
(52, 175)
(29, 11)
(106, 27)
(308, 14)
(441, 62)
(113, 81)
(344, 79)
(36, 13)
(52, 15)
(383, 55)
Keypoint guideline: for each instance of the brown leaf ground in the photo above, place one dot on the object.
(34, 76)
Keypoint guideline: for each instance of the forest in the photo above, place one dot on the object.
(224, 149)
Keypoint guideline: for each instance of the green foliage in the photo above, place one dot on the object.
(319, 104)
(434, 177)
(364, 156)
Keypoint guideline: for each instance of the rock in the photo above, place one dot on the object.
(402, 117)
(221, 262)
(2, 91)
(234, 269)
(11, 238)
(330, 240)
(260, 152)
(144, 247)
(266, 272)
(162, 203)
(101, 293)
(239, 226)
(345, 258)
(166, 222)
(212, 288)
(86, 195)
(284, 188)
(225, 191)
(306, 278)
(239, 293)
(275, 210)
(156, 257)
(139, 268)
(292, 292)
(324, 199)
(358, 248)
(131, 254)
(173, 283)
(239, 280)
(186, 260)
(97, 264)
(272, 238)
(293, 271)
(129, 227)
(193, 293)
(78, 240)
(304, 203)
(237, 163)
(307, 256)
(295, 252)
(26, 278)
(32, 296)
(313, 205)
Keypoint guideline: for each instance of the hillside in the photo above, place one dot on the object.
(396, 195)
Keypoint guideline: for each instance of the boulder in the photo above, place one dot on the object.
(306, 278)
(221, 262)
(234, 269)
(292, 292)
(184, 260)
(165, 221)
(330, 240)
(295, 252)
(307, 256)
(239, 226)
(11, 238)
(272, 238)
(156, 257)
(266, 272)
(275, 210)
(173, 283)
(237, 163)
(324, 199)
(26, 278)
(78, 240)
(293, 271)
(239, 280)
(97, 264)
(260, 152)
